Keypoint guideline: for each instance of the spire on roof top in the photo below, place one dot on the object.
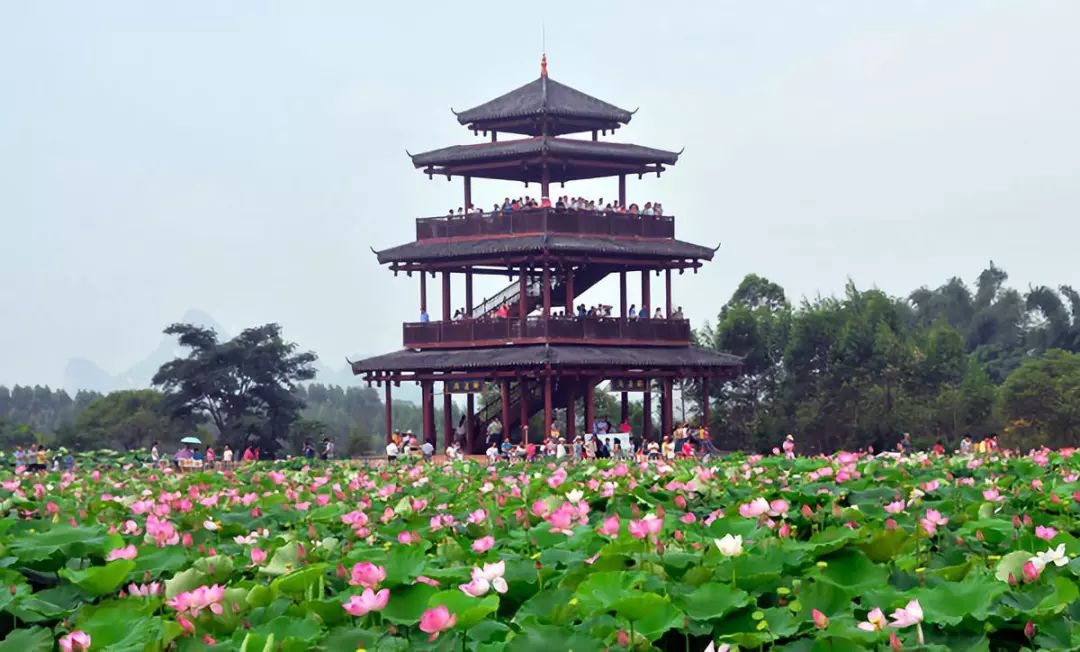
(543, 65)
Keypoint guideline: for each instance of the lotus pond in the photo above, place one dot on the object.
(841, 552)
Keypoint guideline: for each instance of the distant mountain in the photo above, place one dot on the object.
(81, 373)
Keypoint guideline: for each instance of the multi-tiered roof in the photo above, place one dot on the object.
(536, 355)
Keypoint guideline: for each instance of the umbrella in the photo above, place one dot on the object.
(190, 440)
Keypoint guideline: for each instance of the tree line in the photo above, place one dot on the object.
(860, 369)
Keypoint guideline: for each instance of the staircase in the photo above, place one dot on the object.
(584, 278)
(535, 403)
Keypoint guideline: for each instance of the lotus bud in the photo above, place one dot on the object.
(894, 641)
(1031, 572)
(1029, 630)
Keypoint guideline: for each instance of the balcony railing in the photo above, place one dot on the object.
(575, 330)
(546, 220)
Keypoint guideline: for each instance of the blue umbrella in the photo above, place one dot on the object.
(190, 440)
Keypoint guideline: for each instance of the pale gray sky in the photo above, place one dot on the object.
(241, 157)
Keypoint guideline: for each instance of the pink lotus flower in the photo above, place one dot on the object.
(610, 527)
(437, 620)
(477, 517)
(359, 605)
(144, 590)
(557, 478)
(423, 579)
(932, 520)
(193, 602)
(483, 544)
(754, 508)
(650, 525)
(895, 507)
(1031, 572)
(875, 621)
(77, 640)
(1045, 533)
(992, 495)
(406, 538)
(821, 621)
(910, 615)
(127, 552)
(490, 576)
(258, 556)
(367, 575)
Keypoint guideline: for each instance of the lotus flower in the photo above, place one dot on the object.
(77, 640)
(490, 576)
(910, 615)
(1045, 533)
(368, 601)
(127, 552)
(610, 527)
(754, 508)
(932, 520)
(483, 544)
(730, 546)
(875, 621)
(1055, 556)
(437, 620)
(821, 621)
(367, 575)
(258, 556)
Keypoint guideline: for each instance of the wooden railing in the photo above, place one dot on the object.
(584, 330)
(546, 220)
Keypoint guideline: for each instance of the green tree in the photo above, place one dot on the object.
(244, 386)
(124, 420)
(1041, 401)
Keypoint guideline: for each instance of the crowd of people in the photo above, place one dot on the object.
(38, 458)
(598, 311)
(564, 203)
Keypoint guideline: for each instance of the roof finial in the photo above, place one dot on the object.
(543, 65)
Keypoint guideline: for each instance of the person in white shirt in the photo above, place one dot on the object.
(560, 450)
(492, 454)
(155, 453)
(392, 451)
(227, 454)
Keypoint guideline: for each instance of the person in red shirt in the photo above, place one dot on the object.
(625, 427)
(939, 449)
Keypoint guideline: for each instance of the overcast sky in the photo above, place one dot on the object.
(241, 157)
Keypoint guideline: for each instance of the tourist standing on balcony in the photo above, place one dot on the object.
(494, 431)
(658, 314)
(678, 314)
(424, 316)
(644, 313)
(632, 313)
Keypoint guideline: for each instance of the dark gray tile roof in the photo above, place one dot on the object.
(642, 248)
(644, 358)
(545, 145)
(544, 97)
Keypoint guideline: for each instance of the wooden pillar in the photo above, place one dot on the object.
(594, 134)
(448, 414)
(590, 415)
(547, 291)
(705, 401)
(571, 416)
(624, 408)
(622, 294)
(665, 408)
(547, 408)
(506, 408)
(428, 401)
(470, 408)
(522, 284)
(622, 190)
(468, 193)
(646, 294)
(494, 136)
(570, 291)
(446, 296)
(423, 291)
(667, 291)
(523, 410)
(468, 294)
(545, 182)
(646, 405)
(389, 412)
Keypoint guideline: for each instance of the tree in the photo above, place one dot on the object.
(124, 420)
(1041, 401)
(245, 386)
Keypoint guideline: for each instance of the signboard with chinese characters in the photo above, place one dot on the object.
(629, 385)
(464, 386)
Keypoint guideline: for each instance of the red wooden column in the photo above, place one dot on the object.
(667, 289)
(705, 401)
(624, 408)
(570, 291)
(423, 291)
(665, 408)
(571, 417)
(622, 294)
(468, 294)
(468, 193)
(428, 400)
(622, 190)
(389, 412)
(521, 292)
(523, 410)
(646, 405)
(547, 407)
(506, 408)
(590, 415)
(547, 291)
(448, 413)
(446, 296)
(470, 408)
(646, 294)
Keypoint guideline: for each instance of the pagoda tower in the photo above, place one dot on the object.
(527, 339)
